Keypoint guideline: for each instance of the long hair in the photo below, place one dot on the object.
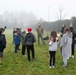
(66, 29)
(54, 35)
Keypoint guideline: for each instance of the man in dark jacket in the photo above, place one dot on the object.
(2, 44)
(29, 40)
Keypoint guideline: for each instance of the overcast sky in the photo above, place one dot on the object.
(40, 7)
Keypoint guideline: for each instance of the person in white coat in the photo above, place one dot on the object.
(65, 45)
(53, 44)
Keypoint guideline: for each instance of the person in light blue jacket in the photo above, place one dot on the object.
(53, 44)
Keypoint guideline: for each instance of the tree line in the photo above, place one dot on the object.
(25, 19)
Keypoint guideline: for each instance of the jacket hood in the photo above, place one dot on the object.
(29, 35)
(69, 34)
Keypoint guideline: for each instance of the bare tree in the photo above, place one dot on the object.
(61, 13)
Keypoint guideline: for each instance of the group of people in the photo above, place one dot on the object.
(28, 39)
(67, 45)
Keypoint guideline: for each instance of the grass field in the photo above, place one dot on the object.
(15, 64)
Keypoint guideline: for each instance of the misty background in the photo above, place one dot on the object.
(28, 19)
(51, 14)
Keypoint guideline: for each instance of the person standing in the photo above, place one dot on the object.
(53, 44)
(62, 30)
(23, 42)
(17, 41)
(73, 41)
(2, 44)
(40, 33)
(65, 45)
(29, 40)
(13, 35)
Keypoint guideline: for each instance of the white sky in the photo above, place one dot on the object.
(40, 7)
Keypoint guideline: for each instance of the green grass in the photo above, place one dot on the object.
(15, 64)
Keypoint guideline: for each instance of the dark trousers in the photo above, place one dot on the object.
(52, 57)
(16, 47)
(73, 46)
(30, 48)
(23, 49)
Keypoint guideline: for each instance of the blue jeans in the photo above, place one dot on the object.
(16, 47)
(40, 36)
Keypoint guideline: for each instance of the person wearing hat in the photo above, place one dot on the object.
(29, 40)
(2, 44)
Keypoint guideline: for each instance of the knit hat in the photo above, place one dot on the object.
(29, 29)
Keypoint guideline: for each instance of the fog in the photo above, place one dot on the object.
(28, 13)
(18, 19)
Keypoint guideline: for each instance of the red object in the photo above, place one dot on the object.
(29, 29)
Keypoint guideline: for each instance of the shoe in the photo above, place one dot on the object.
(33, 59)
(53, 66)
(19, 49)
(67, 57)
(64, 66)
(50, 67)
(72, 56)
(23, 55)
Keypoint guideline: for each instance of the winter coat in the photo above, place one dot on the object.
(65, 45)
(53, 46)
(23, 38)
(73, 33)
(30, 39)
(40, 30)
(2, 42)
(16, 39)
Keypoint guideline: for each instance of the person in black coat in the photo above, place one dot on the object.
(29, 40)
(2, 44)
(73, 41)
(62, 30)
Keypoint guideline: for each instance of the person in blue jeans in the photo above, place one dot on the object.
(40, 33)
(16, 40)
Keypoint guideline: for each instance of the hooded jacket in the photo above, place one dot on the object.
(66, 42)
(2, 42)
(30, 39)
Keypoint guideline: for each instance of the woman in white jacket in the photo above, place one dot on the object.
(65, 45)
(53, 44)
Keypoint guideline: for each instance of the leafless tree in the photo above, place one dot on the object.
(61, 14)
